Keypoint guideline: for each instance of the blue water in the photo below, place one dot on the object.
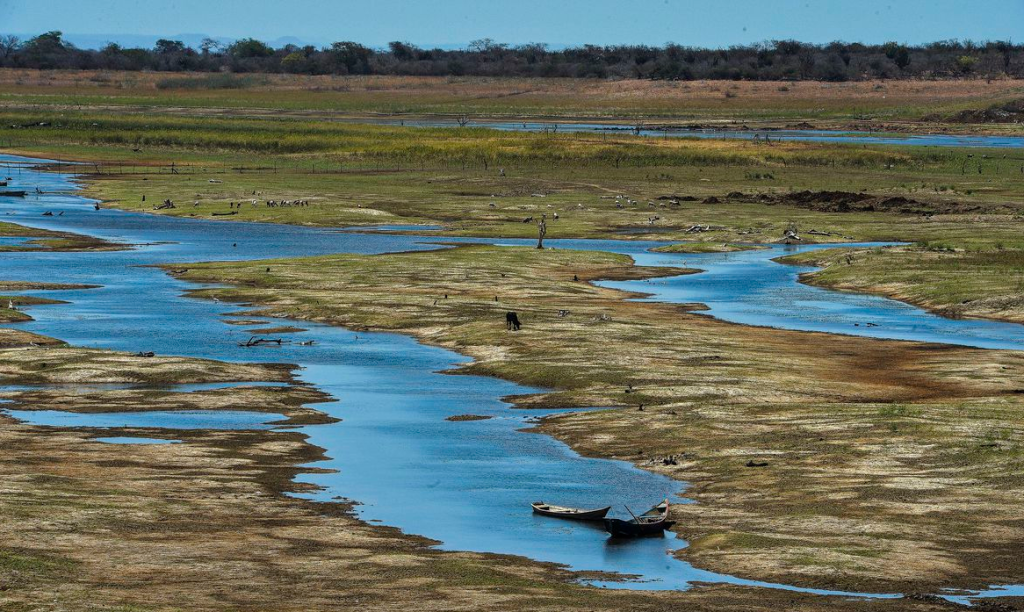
(830, 136)
(157, 419)
(13, 240)
(393, 448)
(744, 287)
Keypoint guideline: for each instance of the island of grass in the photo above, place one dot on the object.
(10, 307)
(979, 279)
(34, 239)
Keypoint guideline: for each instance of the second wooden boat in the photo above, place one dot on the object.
(653, 522)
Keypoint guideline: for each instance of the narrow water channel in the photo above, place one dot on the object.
(725, 133)
(470, 482)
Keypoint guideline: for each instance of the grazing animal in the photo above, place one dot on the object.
(512, 321)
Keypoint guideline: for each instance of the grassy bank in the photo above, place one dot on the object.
(46, 240)
(712, 101)
(821, 411)
(588, 186)
(980, 281)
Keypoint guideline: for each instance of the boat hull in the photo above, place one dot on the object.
(653, 522)
(619, 528)
(571, 514)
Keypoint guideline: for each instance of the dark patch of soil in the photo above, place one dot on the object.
(848, 201)
(1009, 112)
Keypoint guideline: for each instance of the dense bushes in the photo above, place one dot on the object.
(776, 60)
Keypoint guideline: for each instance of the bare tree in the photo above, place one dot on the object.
(9, 43)
(463, 120)
(210, 45)
(542, 230)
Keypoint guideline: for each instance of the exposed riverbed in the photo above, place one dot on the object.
(470, 482)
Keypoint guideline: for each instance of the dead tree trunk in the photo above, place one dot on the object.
(542, 230)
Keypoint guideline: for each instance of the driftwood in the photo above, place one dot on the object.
(145, 354)
(791, 235)
(225, 214)
(256, 341)
(166, 205)
(815, 232)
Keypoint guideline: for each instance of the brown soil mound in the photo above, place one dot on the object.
(1010, 112)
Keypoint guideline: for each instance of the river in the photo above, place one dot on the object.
(470, 482)
(772, 134)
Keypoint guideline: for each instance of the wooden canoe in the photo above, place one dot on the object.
(574, 514)
(652, 522)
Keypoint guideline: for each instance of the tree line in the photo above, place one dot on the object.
(773, 60)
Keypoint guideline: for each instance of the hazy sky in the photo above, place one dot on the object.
(558, 22)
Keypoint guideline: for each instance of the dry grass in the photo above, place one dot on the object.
(557, 98)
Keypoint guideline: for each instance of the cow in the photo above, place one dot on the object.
(512, 321)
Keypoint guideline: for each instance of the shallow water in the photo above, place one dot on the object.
(834, 136)
(743, 288)
(14, 240)
(157, 419)
(393, 448)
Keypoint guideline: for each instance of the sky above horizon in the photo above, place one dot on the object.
(556, 22)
